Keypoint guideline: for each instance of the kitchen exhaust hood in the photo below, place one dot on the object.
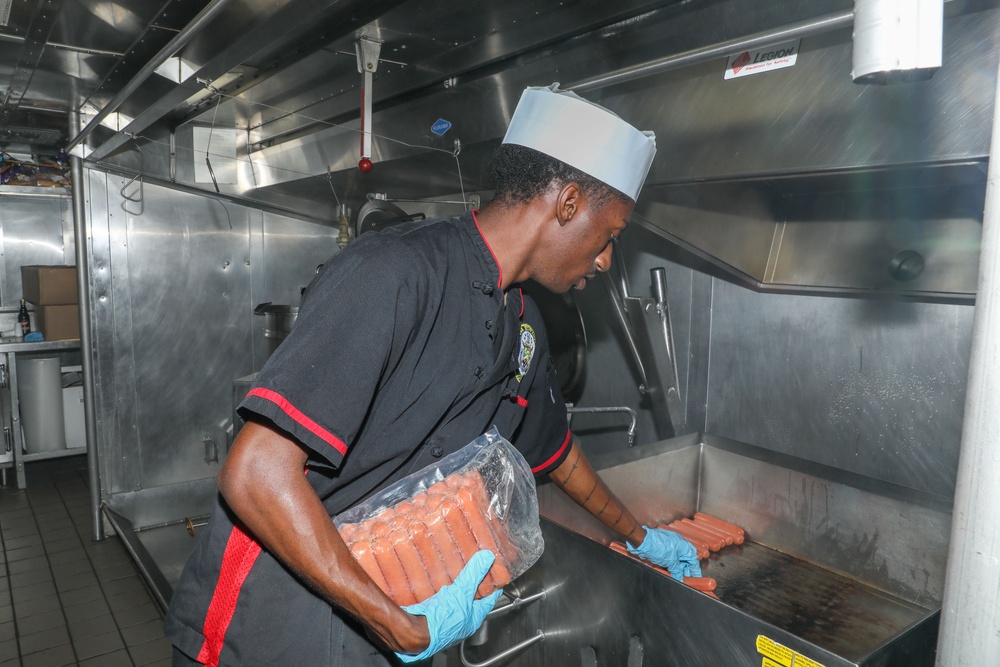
(791, 178)
(909, 231)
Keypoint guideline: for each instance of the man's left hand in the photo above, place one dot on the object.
(668, 550)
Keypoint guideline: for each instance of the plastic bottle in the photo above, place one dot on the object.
(23, 319)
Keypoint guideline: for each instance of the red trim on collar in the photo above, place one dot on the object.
(475, 219)
(521, 314)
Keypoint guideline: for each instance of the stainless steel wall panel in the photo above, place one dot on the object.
(700, 340)
(110, 450)
(175, 281)
(35, 228)
(872, 386)
(189, 333)
(123, 459)
(897, 544)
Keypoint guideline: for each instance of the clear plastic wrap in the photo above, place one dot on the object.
(414, 536)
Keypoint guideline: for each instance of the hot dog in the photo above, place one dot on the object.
(714, 541)
(704, 584)
(726, 538)
(700, 547)
(484, 535)
(451, 556)
(735, 531)
(362, 552)
(409, 558)
(431, 560)
(397, 585)
(464, 538)
(347, 532)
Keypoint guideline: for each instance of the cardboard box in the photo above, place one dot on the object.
(58, 322)
(49, 285)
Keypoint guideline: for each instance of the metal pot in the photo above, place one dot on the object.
(278, 322)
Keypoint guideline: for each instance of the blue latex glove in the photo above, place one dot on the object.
(453, 613)
(668, 549)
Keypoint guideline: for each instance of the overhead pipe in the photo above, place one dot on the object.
(970, 613)
(180, 40)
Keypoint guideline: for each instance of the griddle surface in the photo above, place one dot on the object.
(828, 609)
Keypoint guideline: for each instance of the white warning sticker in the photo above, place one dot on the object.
(776, 56)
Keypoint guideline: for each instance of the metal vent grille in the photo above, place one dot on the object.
(5, 11)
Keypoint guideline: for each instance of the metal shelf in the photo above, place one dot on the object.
(34, 191)
(54, 454)
(10, 349)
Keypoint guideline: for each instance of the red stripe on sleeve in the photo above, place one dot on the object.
(555, 457)
(522, 401)
(237, 560)
(300, 418)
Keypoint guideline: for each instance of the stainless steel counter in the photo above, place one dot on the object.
(839, 570)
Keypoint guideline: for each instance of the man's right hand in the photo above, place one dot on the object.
(263, 483)
(454, 613)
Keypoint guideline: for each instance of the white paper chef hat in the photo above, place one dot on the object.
(586, 136)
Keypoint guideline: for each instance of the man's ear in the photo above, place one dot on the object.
(569, 201)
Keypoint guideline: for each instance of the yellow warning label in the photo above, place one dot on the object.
(776, 655)
(802, 661)
(775, 651)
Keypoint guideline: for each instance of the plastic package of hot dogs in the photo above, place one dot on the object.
(415, 536)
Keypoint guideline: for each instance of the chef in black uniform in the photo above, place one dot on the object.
(409, 344)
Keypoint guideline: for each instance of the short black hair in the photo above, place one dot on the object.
(521, 174)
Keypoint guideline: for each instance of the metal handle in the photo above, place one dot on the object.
(602, 410)
(515, 604)
(539, 636)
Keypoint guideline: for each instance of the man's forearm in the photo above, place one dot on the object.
(263, 483)
(581, 482)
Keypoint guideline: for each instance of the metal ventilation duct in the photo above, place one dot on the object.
(897, 40)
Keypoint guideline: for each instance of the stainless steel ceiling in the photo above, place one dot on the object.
(291, 61)
(276, 84)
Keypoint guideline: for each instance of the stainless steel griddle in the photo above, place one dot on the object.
(838, 570)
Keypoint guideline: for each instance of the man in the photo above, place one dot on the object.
(408, 345)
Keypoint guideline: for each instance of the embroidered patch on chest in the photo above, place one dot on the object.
(525, 350)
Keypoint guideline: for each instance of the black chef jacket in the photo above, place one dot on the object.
(404, 350)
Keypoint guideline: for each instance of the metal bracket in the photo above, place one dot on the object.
(646, 324)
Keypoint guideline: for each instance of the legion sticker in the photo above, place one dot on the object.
(526, 350)
(777, 56)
